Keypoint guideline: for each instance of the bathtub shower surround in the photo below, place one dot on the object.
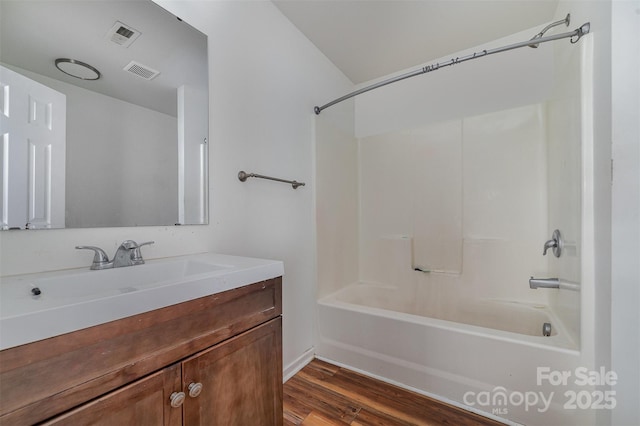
(456, 202)
(407, 174)
(472, 189)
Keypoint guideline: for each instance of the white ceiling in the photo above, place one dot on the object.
(368, 39)
(34, 33)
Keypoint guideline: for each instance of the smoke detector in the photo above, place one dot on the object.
(141, 70)
(123, 34)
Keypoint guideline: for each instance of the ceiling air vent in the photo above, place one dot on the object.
(142, 71)
(122, 34)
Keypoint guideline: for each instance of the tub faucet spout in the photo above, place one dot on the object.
(536, 283)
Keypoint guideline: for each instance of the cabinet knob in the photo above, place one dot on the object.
(176, 399)
(194, 389)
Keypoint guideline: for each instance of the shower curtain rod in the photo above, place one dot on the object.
(538, 38)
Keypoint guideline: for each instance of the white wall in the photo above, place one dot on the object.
(625, 268)
(265, 78)
(111, 181)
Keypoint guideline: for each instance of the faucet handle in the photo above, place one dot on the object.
(554, 243)
(136, 256)
(129, 244)
(100, 258)
(549, 244)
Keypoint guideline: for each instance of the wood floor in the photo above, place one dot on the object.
(324, 394)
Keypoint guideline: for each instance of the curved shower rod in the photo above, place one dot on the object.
(539, 38)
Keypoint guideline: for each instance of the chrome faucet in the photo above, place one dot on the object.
(128, 254)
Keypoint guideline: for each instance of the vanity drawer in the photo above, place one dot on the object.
(44, 378)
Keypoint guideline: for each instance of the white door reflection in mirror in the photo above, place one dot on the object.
(33, 129)
(193, 155)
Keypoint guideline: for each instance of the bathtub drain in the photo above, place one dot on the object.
(546, 329)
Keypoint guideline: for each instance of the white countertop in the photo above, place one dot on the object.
(25, 318)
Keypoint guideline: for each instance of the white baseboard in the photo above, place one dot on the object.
(304, 359)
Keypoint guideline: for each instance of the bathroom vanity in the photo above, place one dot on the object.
(214, 359)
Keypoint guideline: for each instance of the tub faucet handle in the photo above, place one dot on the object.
(554, 243)
(549, 244)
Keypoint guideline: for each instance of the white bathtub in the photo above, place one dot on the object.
(466, 353)
(514, 317)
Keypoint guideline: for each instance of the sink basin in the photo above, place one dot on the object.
(74, 286)
(119, 280)
(74, 299)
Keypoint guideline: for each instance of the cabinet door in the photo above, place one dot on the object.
(241, 380)
(143, 402)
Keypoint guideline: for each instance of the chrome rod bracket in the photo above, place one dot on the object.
(584, 29)
(243, 176)
(564, 21)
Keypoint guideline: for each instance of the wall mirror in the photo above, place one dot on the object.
(104, 109)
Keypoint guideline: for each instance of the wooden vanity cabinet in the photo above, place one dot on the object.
(143, 402)
(240, 383)
(219, 357)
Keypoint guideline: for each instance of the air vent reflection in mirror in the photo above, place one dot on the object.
(141, 70)
(122, 34)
